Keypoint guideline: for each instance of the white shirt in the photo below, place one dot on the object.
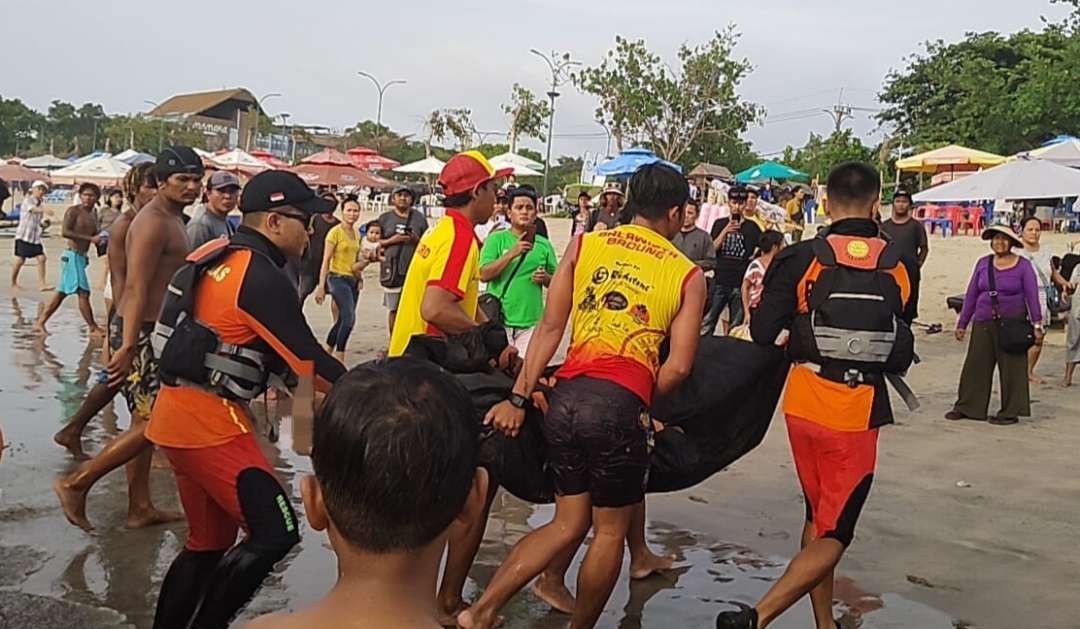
(29, 229)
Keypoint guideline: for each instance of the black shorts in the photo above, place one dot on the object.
(598, 436)
(28, 250)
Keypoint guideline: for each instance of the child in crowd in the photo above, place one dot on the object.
(370, 251)
(770, 244)
(395, 459)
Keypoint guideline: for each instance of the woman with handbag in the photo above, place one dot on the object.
(517, 264)
(1002, 305)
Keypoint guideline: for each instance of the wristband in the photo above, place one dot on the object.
(517, 401)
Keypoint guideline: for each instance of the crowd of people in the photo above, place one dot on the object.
(211, 314)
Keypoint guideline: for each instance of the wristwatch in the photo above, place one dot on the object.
(517, 401)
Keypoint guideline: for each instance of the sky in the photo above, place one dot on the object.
(467, 53)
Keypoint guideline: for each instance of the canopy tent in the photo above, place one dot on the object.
(427, 166)
(238, 161)
(629, 161)
(131, 157)
(368, 159)
(18, 173)
(1065, 152)
(334, 168)
(510, 160)
(949, 158)
(270, 160)
(770, 171)
(518, 170)
(714, 171)
(90, 156)
(46, 162)
(1059, 139)
(1017, 180)
(104, 171)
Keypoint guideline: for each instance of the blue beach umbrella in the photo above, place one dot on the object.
(629, 161)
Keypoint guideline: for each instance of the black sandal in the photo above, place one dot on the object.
(955, 415)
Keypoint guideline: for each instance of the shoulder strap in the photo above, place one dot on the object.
(992, 281)
(513, 273)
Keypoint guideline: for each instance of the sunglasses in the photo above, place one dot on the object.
(305, 219)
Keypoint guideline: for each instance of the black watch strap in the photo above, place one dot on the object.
(517, 401)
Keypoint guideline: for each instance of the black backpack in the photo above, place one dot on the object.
(853, 327)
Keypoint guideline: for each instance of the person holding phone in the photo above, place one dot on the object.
(735, 239)
(517, 264)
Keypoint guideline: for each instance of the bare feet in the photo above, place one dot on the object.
(1033, 379)
(39, 329)
(469, 619)
(73, 502)
(554, 593)
(650, 564)
(151, 517)
(72, 442)
(1066, 383)
(97, 331)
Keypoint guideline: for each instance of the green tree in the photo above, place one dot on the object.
(999, 93)
(449, 123)
(144, 134)
(528, 115)
(642, 99)
(21, 128)
(820, 154)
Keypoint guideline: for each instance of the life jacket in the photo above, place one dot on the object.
(190, 353)
(850, 322)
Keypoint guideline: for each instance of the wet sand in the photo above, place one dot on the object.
(929, 553)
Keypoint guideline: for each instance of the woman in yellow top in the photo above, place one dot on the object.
(340, 274)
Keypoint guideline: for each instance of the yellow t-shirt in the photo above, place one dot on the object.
(448, 256)
(346, 250)
(628, 287)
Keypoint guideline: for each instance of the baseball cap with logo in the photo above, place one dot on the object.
(176, 160)
(221, 180)
(272, 189)
(467, 171)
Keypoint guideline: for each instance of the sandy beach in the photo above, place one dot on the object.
(968, 524)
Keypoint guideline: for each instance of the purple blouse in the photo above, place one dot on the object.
(1015, 287)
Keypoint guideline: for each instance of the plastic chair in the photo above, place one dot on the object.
(969, 219)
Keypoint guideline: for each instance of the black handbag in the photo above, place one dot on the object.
(491, 305)
(1016, 335)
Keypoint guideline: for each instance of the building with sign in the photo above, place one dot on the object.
(227, 117)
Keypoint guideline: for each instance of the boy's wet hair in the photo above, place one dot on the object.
(654, 189)
(395, 451)
(853, 183)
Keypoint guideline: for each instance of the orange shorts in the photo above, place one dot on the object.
(836, 469)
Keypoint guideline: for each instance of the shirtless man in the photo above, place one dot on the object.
(140, 186)
(80, 229)
(157, 242)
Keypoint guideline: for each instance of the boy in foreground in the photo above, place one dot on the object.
(394, 454)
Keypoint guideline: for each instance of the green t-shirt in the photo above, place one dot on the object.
(523, 303)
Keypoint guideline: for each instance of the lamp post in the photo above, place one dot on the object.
(381, 87)
(560, 73)
(292, 141)
(161, 128)
(258, 118)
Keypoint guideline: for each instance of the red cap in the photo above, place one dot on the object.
(466, 171)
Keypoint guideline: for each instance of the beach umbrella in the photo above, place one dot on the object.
(1021, 179)
(330, 167)
(368, 159)
(947, 159)
(104, 171)
(427, 166)
(629, 161)
(770, 171)
(131, 157)
(518, 170)
(90, 156)
(1065, 152)
(239, 161)
(270, 160)
(15, 172)
(46, 162)
(510, 160)
(705, 169)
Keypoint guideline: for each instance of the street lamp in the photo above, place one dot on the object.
(381, 87)
(161, 129)
(560, 73)
(292, 140)
(258, 119)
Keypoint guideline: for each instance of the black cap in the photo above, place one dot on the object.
(738, 192)
(178, 159)
(901, 193)
(277, 188)
(405, 189)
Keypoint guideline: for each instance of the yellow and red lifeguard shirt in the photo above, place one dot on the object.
(628, 287)
(448, 256)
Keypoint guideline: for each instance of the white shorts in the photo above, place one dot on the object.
(519, 338)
